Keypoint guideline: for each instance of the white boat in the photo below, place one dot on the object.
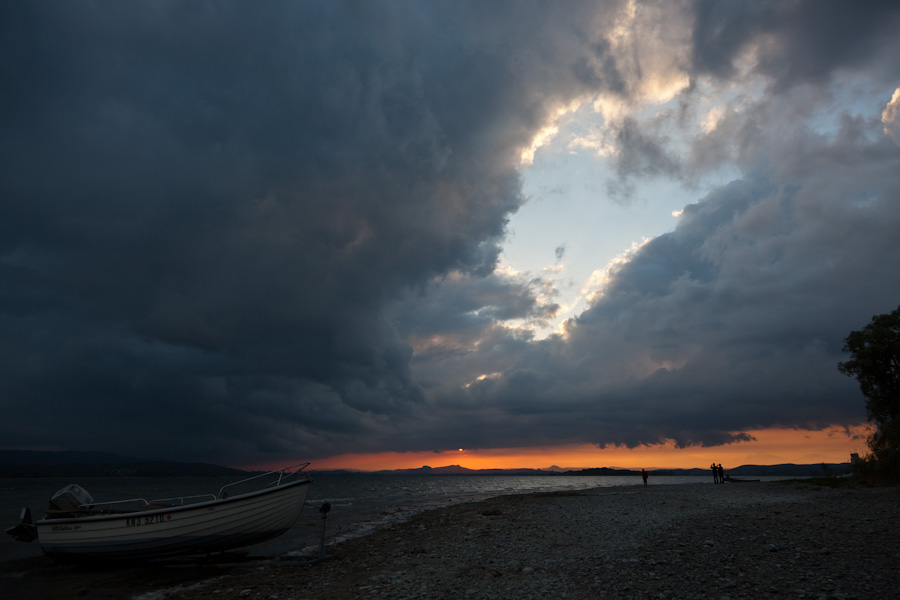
(241, 514)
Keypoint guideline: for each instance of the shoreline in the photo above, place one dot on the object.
(666, 541)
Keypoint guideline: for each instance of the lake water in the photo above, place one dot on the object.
(359, 503)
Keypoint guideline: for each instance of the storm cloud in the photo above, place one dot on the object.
(241, 233)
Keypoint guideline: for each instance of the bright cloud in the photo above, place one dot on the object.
(890, 117)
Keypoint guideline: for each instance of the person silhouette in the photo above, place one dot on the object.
(715, 471)
(644, 475)
(721, 472)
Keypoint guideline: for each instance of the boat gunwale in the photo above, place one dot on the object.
(51, 521)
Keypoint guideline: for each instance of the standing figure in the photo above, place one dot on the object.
(644, 475)
(721, 473)
(715, 471)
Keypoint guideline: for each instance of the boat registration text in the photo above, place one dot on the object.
(146, 520)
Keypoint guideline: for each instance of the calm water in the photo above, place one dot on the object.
(359, 503)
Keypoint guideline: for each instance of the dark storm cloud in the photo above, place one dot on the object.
(735, 320)
(460, 313)
(788, 44)
(643, 153)
(238, 233)
(560, 252)
(732, 322)
(796, 42)
(206, 209)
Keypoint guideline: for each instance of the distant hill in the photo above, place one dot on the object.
(35, 463)
(459, 470)
(603, 471)
(817, 470)
(786, 470)
(446, 470)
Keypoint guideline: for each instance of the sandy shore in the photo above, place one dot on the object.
(752, 540)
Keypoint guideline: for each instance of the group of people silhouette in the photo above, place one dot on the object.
(718, 473)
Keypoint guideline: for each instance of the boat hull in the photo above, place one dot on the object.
(201, 528)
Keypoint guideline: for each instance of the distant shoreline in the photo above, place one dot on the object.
(45, 464)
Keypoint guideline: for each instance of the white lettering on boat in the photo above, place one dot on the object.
(146, 520)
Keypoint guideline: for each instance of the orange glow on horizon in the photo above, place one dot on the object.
(770, 447)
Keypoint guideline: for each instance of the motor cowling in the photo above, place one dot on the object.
(70, 498)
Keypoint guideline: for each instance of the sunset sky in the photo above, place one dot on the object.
(770, 447)
(494, 234)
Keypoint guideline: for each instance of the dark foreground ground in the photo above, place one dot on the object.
(748, 540)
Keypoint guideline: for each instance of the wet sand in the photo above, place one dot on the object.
(748, 540)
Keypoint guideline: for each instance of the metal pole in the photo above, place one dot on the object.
(324, 510)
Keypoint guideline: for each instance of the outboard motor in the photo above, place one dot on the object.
(25, 531)
(70, 498)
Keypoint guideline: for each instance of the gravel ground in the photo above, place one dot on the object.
(750, 540)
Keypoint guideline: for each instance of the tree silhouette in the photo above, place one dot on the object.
(875, 363)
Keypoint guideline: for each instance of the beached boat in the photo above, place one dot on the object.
(240, 514)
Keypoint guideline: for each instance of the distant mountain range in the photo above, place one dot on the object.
(785, 470)
(35, 463)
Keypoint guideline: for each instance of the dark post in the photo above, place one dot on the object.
(324, 510)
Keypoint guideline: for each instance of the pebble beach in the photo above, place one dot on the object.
(746, 540)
